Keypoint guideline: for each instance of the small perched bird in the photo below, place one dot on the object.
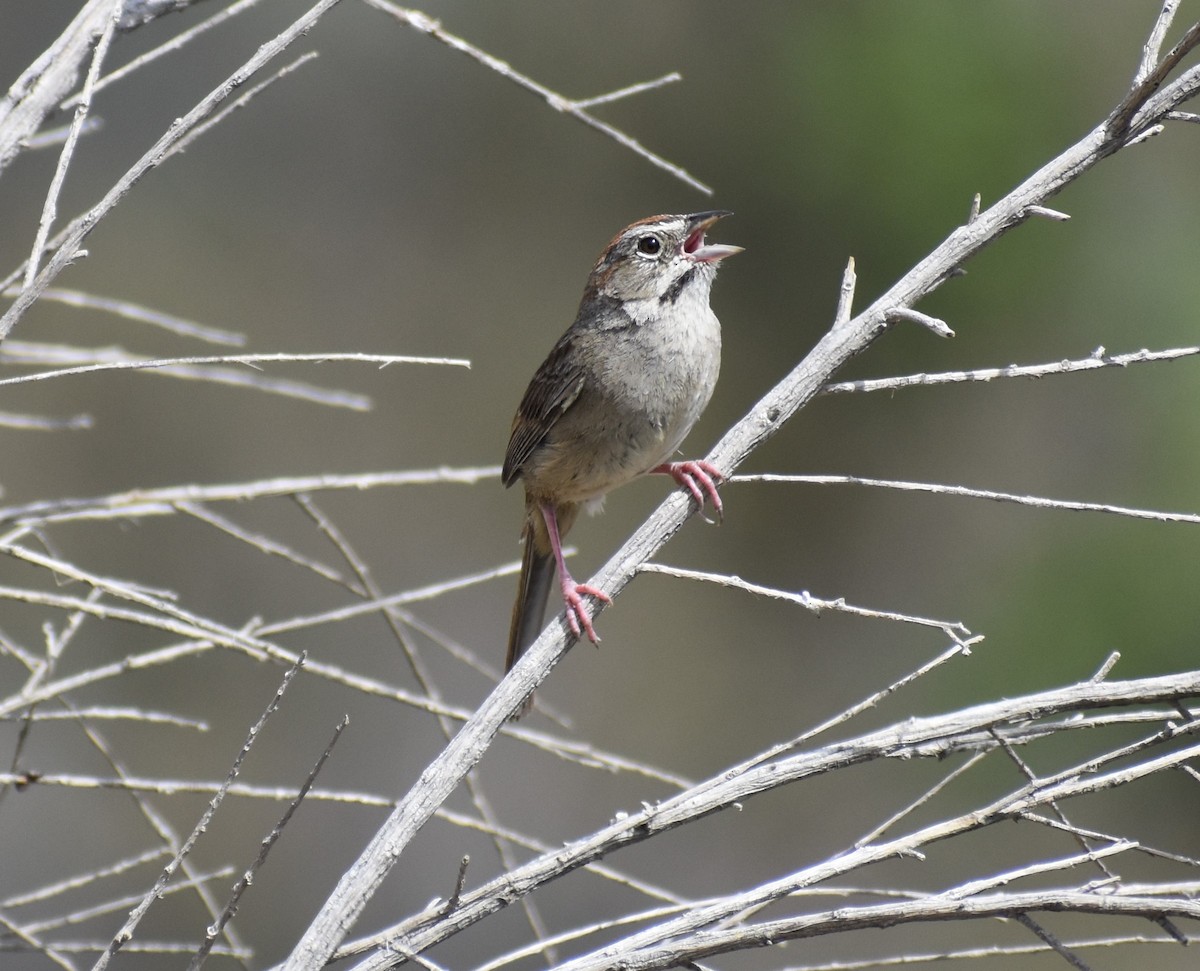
(614, 400)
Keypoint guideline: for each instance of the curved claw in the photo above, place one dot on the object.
(578, 617)
(700, 478)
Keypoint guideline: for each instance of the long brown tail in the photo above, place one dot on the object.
(529, 610)
(533, 590)
(537, 577)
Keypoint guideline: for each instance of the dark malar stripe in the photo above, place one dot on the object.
(678, 286)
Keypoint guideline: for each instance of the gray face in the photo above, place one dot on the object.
(656, 259)
(647, 260)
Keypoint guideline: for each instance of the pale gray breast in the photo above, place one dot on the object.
(639, 398)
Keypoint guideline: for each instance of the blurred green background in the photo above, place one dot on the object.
(395, 197)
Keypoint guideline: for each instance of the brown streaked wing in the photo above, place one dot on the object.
(553, 390)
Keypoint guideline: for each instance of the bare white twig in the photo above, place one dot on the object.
(382, 604)
(701, 944)
(845, 306)
(213, 930)
(122, 903)
(60, 887)
(433, 28)
(49, 137)
(933, 324)
(953, 629)
(974, 953)
(966, 730)
(125, 934)
(265, 544)
(1154, 42)
(34, 95)
(239, 103)
(50, 207)
(1047, 213)
(368, 589)
(158, 502)
(168, 47)
(1098, 359)
(40, 423)
(1037, 502)
(961, 648)
(133, 311)
(104, 359)
(74, 234)
(1105, 669)
(117, 713)
(251, 359)
(916, 804)
(640, 88)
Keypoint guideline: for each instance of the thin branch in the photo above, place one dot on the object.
(1142, 106)
(1154, 42)
(61, 887)
(203, 633)
(372, 606)
(265, 544)
(24, 352)
(159, 826)
(132, 311)
(168, 47)
(251, 359)
(432, 28)
(698, 945)
(50, 206)
(916, 804)
(1099, 358)
(49, 137)
(1078, 831)
(1036, 502)
(125, 934)
(975, 953)
(640, 88)
(242, 954)
(965, 730)
(213, 930)
(369, 589)
(845, 306)
(74, 235)
(36, 93)
(85, 914)
(40, 423)
(456, 895)
(239, 103)
(111, 713)
(933, 324)
(952, 628)
(164, 501)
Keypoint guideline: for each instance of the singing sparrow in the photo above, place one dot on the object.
(614, 400)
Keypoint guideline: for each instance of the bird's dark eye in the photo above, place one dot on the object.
(649, 245)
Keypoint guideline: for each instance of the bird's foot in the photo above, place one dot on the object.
(700, 478)
(578, 617)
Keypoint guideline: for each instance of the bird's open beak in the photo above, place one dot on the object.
(695, 248)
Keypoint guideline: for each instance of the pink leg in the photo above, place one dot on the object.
(700, 478)
(577, 614)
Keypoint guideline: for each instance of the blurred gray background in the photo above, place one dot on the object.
(395, 197)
